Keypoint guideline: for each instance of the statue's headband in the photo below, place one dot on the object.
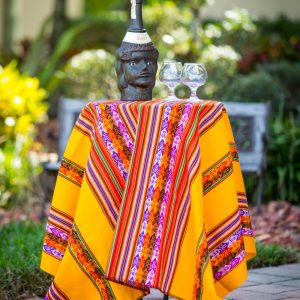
(124, 52)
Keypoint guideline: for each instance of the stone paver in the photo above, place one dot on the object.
(249, 295)
(264, 278)
(270, 288)
(295, 283)
(273, 283)
(282, 271)
(156, 295)
(292, 294)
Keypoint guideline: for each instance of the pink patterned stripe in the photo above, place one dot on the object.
(110, 145)
(63, 222)
(236, 221)
(56, 231)
(230, 266)
(233, 238)
(176, 142)
(154, 175)
(244, 212)
(121, 126)
(140, 191)
(52, 251)
(248, 232)
(211, 116)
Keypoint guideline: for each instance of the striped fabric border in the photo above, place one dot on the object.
(107, 168)
(178, 209)
(57, 234)
(202, 259)
(54, 293)
(162, 127)
(88, 264)
(210, 115)
(85, 122)
(225, 241)
(217, 173)
(233, 151)
(71, 171)
(245, 214)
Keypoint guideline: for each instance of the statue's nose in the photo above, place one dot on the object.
(144, 64)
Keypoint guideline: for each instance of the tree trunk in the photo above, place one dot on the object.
(59, 22)
(197, 30)
(196, 7)
(10, 17)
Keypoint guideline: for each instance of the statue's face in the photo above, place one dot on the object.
(141, 69)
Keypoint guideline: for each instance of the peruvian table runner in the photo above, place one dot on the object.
(148, 194)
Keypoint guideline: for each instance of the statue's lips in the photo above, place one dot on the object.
(145, 75)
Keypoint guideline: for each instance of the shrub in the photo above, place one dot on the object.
(21, 106)
(90, 75)
(283, 166)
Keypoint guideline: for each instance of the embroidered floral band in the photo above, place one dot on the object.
(71, 171)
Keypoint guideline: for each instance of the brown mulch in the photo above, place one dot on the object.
(278, 222)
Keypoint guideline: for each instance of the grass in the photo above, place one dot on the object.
(20, 250)
(273, 255)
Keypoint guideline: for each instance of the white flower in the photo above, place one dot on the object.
(9, 121)
(220, 52)
(17, 162)
(168, 39)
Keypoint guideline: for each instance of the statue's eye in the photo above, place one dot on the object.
(149, 62)
(132, 63)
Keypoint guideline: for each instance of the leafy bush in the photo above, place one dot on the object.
(279, 39)
(90, 74)
(237, 28)
(283, 172)
(286, 74)
(258, 86)
(20, 251)
(21, 106)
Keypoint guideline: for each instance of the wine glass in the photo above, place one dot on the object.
(170, 75)
(193, 76)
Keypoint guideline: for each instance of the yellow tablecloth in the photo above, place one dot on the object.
(149, 194)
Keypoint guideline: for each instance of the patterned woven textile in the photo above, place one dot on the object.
(149, 194)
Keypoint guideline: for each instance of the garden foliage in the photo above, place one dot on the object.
(20, 254)
(21, 107)
(247, 60)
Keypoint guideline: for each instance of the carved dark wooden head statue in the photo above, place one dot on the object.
(136, 59)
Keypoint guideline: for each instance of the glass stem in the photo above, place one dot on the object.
(171, 95)
(193, 93)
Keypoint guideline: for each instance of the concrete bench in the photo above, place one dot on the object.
(249, 123)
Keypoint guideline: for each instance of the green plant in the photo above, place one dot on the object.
(21, 106)
(90, 75)
(257, 86)
(286, 74)
(272, 255)
(20, 251)
(283, 172)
